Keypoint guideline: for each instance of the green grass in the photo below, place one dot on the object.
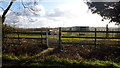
(13, 58)
(31, 36)
(52, 37)
(55, 61)
(88, 34)
(24, 35)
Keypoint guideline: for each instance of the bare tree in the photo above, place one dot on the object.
(5, 11)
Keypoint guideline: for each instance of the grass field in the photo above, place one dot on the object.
(63, 34)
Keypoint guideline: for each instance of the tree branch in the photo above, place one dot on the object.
(6, 10)
(2, 8)
(35, 3)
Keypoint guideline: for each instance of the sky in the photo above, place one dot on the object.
(53, 13)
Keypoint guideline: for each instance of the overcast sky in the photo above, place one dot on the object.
(54, 13)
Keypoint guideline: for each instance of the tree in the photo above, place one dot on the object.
(108, 10)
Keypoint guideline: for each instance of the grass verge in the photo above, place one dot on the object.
(52, 60)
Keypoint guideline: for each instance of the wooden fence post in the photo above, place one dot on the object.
(18, 36)
(47, 37)
(95, 37)
(60, 41)
(41, 37)
(107, 31)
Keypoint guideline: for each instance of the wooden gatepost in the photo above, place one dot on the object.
(60, 39)
(47, 42)
(107, 35)
(95, 37)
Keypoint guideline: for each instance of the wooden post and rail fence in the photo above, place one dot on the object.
(95, 35)
(60, 36)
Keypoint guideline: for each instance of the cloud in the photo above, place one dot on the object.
(72, 14)
(36, 17)
(36, 0)
(60, 0)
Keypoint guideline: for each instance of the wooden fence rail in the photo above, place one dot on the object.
(93, 31)
(32, 32)
(91, 37)
(23, 38)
